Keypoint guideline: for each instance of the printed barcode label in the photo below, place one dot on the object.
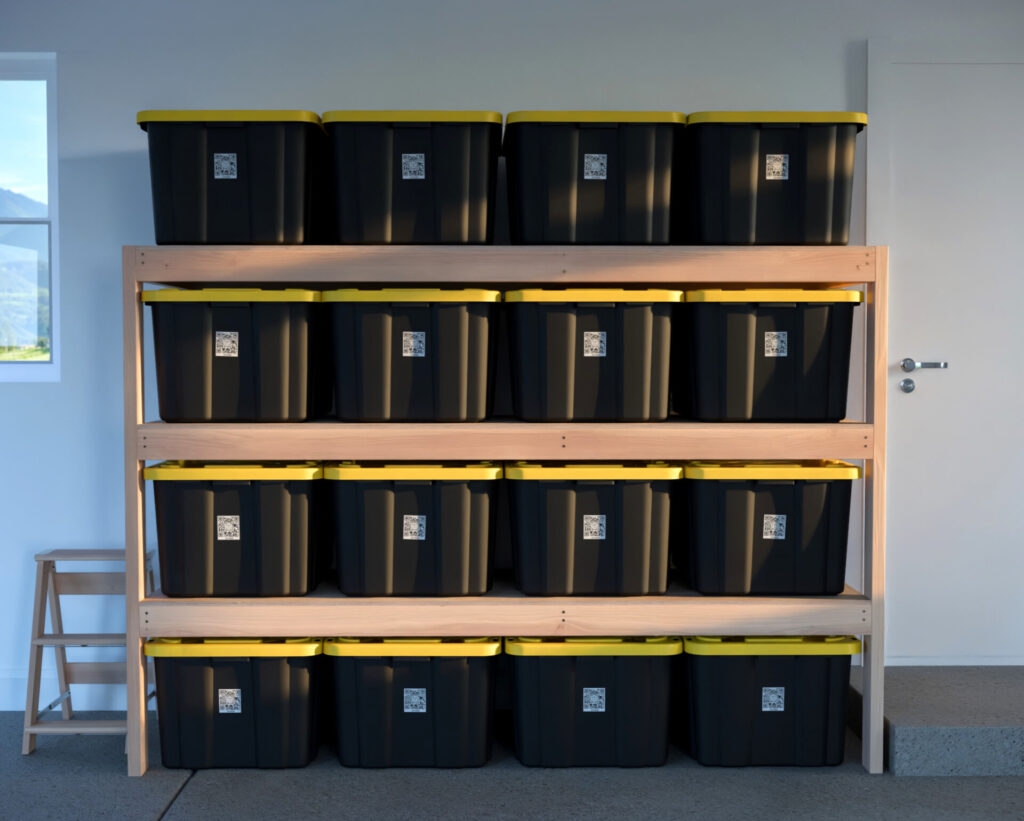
(594, 526)
(593, 700)
(229, 701)
(229, 528)
(773, 699)
(595, 166)
(225, 166)
(225, 343)
(776, 343)
(774, 526)
(595, 343)
(414, 528)
(415, 699)
(414, 166)
(776, 166)
(414, 343)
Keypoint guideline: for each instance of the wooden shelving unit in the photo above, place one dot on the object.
(504, 611)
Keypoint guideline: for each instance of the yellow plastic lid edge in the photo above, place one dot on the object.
(656, 646)
(773, 295)
(654, 117)
(210, 115)
(357, 473)
(754, 117)
(233, 648)
(772, 646)
(593, 295)
(825, 469)
(230, 295)
(583, 472)
(464, 648)
(181, 472)
(411, 116)
(411, 295)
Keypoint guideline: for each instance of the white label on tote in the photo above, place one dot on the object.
(414, 343)
(774, 526)
(229, 701)
(225, 343)
(594, 526)
(776, 166)
(595, 343)
(415, 699)
(593, 700)
(414, 528)
(229, 528)
(595, 166)
(773, 699)
(225, 166)
(414, 166)
(776, 343)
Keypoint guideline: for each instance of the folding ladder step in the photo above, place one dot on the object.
(81, 640)
(75, 726)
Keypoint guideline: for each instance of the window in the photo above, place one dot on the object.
(29, 326)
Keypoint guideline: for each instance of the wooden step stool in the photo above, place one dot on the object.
(50, 586)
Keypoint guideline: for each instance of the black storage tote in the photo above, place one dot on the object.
(770, 355)
(414, 176)
(591, 354)
(591, 176)
(414, 702)
(412, 354)
(236, 702)
(769, 177)
(414, 530)
(592, 702)
(590, 529)
(223, 177)
(236, 354)
(768, 701)
(228, 529)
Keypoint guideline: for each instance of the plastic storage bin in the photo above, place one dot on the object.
(778, 355)
(770, 177)
(776, 528)
(414, 530)
(236, 530)
(417, 354)
(414, 176)
(414, 702)
(768, 701)
(236, 702)
(591, 176)
(592, 702)
(232, 176)
(580, 529)
(590, 354)
(235, 354)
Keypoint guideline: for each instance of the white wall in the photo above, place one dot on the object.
(60, 444)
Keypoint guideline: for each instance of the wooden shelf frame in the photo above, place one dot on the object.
(506, 612)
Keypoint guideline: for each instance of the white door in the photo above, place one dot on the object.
(949, 200)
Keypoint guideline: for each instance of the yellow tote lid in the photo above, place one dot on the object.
(185, 471)
(209, 115)
(772, 646)
(595, 117)
(461, 648)
(376, 472)
(230, 295)
(594, 472)
(233, 648)
(814, 469)
(773, 295)
(412, 295)
(825, 117)
(412, 117)
(593, 295)
(660, 646)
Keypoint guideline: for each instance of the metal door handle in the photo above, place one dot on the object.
(910, 365)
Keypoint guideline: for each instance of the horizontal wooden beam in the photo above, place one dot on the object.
(96, 672)
(78, 726)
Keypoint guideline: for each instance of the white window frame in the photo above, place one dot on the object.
(40, 66)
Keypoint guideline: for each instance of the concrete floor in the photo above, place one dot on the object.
(81, 777)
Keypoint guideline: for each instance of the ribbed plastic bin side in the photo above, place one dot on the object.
(223, 177)
(236, 702)
(236, 530)
(414, 176)
(412, 355)
(765, 355)
(590, 355)
(768, 701)
(590, 529)
(414, 530)
(591, 176)
(771, 177)
(414, 702)
(765, 528)
(592, 702)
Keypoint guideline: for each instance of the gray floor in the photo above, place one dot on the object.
(78, 777)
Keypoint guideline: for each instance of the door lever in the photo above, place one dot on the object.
(910, 365)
